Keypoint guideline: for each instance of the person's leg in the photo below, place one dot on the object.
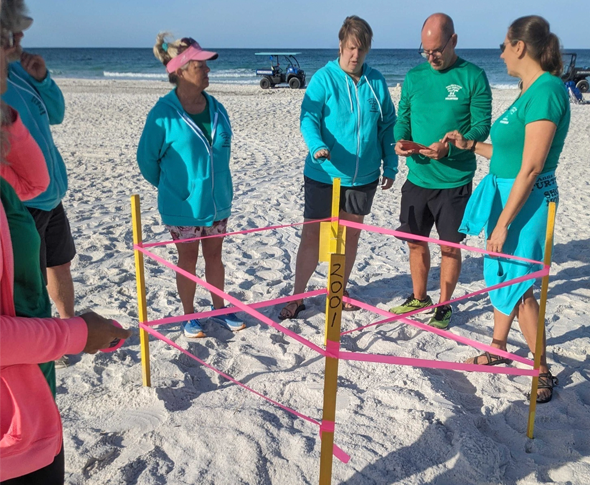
(450, 269)
(60, 287)
(60, 250)
(352, 242)
(419, 268)
(502, 324)
(214, 269)
(188, 254)
(527, 313)
(307, 256)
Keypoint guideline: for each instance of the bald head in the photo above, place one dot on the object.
(439, 41)
(438, 24)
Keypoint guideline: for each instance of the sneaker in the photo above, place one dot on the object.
(193, 329)
(442, 317)
(62, 362)
(411, 304)
(229, 321)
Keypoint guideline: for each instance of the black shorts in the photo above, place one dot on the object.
(422, 208)
(57, 244)
(354, 200)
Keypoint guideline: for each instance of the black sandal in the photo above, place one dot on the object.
(287, 315)
(492, 359)
(546, 381)
(349, 307)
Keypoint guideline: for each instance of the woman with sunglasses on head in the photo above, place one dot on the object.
(511, 202)
(184, 151)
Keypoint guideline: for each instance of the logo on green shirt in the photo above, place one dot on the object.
(453, 89)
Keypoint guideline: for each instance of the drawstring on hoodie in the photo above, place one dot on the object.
(348, 88)
(376, 98)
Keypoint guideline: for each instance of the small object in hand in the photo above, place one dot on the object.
(115, 344)
(410, 146)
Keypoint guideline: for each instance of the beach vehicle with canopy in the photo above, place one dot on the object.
(292, 74)
(573, 73)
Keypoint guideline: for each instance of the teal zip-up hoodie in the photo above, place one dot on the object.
(193, 177)
(353, 121)
(40, 104)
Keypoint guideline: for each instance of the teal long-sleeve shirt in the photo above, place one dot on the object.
(436, 102)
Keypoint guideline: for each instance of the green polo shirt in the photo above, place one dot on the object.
(545, 99)
(30, 295)
(436, 102)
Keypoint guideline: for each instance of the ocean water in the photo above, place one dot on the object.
(237, 66)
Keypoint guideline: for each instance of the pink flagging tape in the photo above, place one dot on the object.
(327, 426)
(413, 362)
(391, 318)
(332, 348)
(234, 301)
(338, 452)
(227, 310)
(445, 333)
(406, 235)
(235, 233)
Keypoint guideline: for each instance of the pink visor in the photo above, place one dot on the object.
(192, 53)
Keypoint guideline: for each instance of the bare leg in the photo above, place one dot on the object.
(450, 269)
(352, 243)
(188, 254)
(527, 312)
(502, 324)
(61, 289)
(214, 269)
(419, 267)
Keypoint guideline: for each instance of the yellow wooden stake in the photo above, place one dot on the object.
(141, 299)
(541, 324)
(333, 320)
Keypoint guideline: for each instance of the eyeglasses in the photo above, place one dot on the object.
(503, 45)
(435, 53)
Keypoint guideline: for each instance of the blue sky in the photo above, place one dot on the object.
(284, 23)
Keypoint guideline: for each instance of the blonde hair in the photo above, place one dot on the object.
(166, 50)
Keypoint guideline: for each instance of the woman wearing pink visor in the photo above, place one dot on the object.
(184, 151)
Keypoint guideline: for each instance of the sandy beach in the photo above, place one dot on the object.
(399, 424)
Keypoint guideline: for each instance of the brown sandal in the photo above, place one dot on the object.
(492, 359)
(287, 314)
(349, 307)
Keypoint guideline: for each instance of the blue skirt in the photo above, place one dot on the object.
(526, 234)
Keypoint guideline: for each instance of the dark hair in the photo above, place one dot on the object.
(542, 44)
(359, 29)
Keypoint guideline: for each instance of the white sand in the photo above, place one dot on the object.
(400, 424)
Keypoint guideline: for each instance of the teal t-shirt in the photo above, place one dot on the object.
(203, 121)
(30, 294)
(545, 99)
(432, 104)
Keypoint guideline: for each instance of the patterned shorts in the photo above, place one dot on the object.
(190, 232)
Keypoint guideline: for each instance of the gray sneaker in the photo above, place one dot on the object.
(62, 362)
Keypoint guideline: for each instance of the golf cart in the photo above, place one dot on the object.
(576, 74)
(291, 74)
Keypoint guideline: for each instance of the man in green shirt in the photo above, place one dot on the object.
(445, 93)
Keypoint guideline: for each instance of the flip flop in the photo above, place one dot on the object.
(291, 315)
(492, 359)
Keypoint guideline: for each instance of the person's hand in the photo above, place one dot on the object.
(400, 152)
(436, 151)
(323, 153)
(497, 239)
(101, 332)
(386, 183)
(34, 65)
(457, 139)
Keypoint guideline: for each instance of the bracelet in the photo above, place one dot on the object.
(472, 149)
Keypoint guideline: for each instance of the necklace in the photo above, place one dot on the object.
(531, 80)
